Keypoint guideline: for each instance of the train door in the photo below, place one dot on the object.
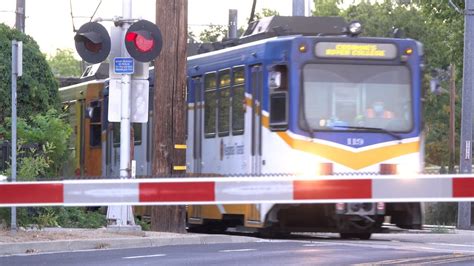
(253, 217)
(80, 139)
(256, 82)
(197, 117)
(93, 131)
(196, 87)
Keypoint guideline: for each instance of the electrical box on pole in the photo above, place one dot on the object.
(19, 59)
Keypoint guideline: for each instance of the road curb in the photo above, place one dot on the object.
(114, 243)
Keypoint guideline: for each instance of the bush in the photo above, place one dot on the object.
(80, 218)
(443, 213)
(37, 89)
(71, 217)
(51, 134)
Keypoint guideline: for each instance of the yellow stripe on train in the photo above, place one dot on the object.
(353, 159)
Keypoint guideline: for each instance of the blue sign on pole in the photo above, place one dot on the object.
(123, 65)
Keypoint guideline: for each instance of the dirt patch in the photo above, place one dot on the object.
(51, 234)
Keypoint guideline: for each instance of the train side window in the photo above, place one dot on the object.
(278, 111)
(93, 112)
(224, 103)
(210, 104)
(278, 83)
(137, 133)
(238, 101)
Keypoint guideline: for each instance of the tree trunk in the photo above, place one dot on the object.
(169, 107)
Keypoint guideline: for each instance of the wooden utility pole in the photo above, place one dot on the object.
(169, 108)
(20, 15)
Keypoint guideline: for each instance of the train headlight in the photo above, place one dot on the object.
(325, 169)
(274, 79)
(408, 170)
(355, 28)
(380, 208)
(340, 208)
(388, 169)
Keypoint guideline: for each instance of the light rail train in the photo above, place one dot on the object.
(294, 95)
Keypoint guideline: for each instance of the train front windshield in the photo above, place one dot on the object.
(354, 97)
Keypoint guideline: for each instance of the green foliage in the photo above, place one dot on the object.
(379, 19)
(34, 164)
(266, 12)
(51, 132)
(443, 213)
(327, 7)
(55, 216)
(80, 218)
(47, 217)
(214, 33)
(63, 64)
(145, 225)
(37, 89)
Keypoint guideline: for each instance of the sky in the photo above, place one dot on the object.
(49, 21)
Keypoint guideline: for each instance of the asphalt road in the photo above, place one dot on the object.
(384, 249)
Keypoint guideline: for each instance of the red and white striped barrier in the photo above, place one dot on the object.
(229, 190)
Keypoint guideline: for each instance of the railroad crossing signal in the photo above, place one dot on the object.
(92, 42)
(143, 41)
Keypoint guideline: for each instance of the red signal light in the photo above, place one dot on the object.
(141, 42)
(130, 36)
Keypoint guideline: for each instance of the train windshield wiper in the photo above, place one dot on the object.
(376, 129)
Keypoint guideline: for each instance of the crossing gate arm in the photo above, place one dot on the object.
(238, 190)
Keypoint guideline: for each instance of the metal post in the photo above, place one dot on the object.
(232, 24)
(16, 72)
(126, 80)
(298, 7)
(464, 208)
(121, 216)
(308, 8)
(452, 117)
(20, 15)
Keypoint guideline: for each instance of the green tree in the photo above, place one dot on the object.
(37, 89)
(63, 64)
(327, 7)
(213, 33)
(443, 45)
(266, 12)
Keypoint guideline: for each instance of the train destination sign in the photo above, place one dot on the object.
(356, 50)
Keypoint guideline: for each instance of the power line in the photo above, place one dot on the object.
(97, 8)
(206, 25)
